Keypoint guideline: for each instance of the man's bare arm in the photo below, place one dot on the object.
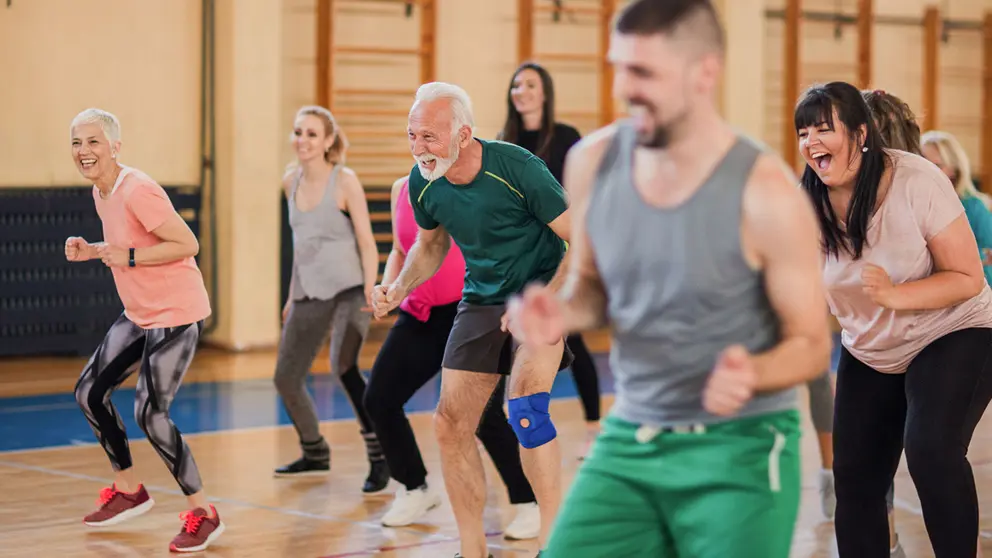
(577, 282)
(424, 258)
(781, 231)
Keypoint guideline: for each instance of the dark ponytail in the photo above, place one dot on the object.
(816, 108)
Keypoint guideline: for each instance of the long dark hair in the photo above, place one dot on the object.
(514, 121)
(816, 108)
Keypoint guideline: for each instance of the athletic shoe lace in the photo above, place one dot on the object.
(106, 495)
(192, 522)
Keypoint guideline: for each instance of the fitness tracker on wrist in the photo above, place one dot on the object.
(130, 257)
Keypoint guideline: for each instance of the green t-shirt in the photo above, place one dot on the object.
(499, 221)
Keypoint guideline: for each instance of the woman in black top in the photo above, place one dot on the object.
(530, 123)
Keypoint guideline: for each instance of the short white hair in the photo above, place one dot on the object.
(108, 123)
(461, 103)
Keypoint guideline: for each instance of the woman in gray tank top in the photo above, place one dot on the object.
(335, 261)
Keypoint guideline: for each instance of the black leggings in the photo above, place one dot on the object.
(410, 356)
(161, 357)
(931, 410)
(584, 375)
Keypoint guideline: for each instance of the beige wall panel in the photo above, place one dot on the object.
(139, 60)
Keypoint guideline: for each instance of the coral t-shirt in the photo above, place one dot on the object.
(919, 205)
(154, 296)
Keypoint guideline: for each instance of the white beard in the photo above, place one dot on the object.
(441, 166)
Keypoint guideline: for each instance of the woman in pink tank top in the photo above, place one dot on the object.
(410, 356)
(446, 285)
(905, 282)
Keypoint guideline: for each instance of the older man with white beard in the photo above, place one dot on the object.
(506, 212)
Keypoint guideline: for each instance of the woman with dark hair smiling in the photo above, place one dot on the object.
(530, 123)
(905, 282)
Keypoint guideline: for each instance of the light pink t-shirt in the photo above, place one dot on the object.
(154, 296)
(446, 286)
(920, 204)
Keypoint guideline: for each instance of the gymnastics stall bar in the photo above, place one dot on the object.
(935, 31)
(561, 10)
(332, 93)
(375, 135)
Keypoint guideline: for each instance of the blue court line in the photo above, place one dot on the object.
(44, 421)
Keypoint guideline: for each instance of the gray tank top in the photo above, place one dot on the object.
(325, 252)
(679, 288)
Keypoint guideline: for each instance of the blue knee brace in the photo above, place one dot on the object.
(539, 429)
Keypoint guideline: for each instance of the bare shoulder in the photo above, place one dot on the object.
(398, 185)
(776, 210)
(584, 158)
(288, 178)
(349, 181)
(772, 188)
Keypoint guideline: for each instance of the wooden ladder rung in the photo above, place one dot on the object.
(351, 49)
(358, 111)
(369, 133)
(378, 194)
(567, 57)
(386, 176)
(578, 113)
(414, 2)
(590, 10)
(359, 154)
(377, 92)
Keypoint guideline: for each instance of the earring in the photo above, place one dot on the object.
(864, 149)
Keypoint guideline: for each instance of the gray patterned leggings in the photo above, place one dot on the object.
(162, 357)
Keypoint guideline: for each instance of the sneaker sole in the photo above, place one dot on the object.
(210, 538)
(519, 538)
(433, 505)
(306, 474)
(123, 516)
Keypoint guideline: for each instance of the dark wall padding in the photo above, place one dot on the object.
(49, 306)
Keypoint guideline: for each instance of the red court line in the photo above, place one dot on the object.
(400, 547)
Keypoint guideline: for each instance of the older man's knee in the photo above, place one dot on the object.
(451, 424)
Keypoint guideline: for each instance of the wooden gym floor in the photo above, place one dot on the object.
(47, 490)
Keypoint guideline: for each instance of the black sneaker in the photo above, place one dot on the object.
(378, 477)
(304, 467)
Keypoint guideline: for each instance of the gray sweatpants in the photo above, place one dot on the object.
(821, 403)
(304, 332)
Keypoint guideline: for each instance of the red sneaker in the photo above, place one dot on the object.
(198, 531)
(117, 506)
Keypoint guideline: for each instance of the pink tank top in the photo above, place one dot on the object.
(445, 287)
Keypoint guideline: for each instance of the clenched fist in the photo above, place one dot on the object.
(732, 382)
(385, 299)
(77, 249)
(113, 256)
(536, 316)
(878, 285)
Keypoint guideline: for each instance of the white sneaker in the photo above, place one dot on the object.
(828, 497)
(897, 550)
(526, 524)
(410, 505)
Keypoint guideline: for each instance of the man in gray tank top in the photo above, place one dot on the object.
(698, 250)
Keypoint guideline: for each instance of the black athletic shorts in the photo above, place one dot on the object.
(475, 341)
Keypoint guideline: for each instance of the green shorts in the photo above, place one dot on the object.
(731, 491)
